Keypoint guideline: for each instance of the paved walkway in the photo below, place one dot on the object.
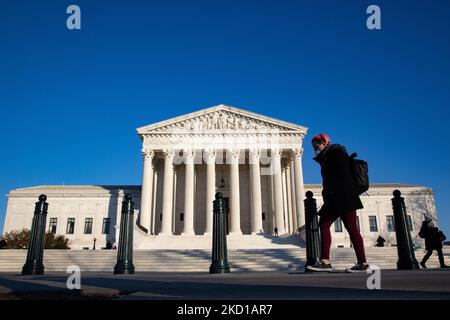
(423, 284)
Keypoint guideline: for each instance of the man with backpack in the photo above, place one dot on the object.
(341, 199)
(433, 241)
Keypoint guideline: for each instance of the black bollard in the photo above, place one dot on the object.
(125, 253)
(219, 245)
(35, 256)
(406, 257)
(312, 231)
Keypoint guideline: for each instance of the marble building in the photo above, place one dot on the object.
(254, 160)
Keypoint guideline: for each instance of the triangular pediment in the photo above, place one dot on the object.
(220, 118)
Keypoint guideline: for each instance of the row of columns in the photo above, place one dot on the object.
(279, 183)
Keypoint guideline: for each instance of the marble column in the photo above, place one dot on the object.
(292, 199)
(278, 190)
(257, 224)
(147, 189)
(299, 189)
(271, 217)
(235, 225)
(154, 215)
(284, 191)
(210, 158)
(188, 227)
(174, 199)
(167, 209)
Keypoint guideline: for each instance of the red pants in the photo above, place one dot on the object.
(349, 221)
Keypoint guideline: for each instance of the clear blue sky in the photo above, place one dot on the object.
(70, 101)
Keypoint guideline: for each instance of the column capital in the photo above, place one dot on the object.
(148, 154)
(168, 153)
(296, 153)
(234, 155)
(210, 156)
(188, 155)
(255, 153)
(276, 153)
(254, 156)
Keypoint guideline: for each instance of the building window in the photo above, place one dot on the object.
(106, 224)
(373, 224)
(70, 226)
(338, 225)
(88, 226)
(390, 223)
(409, 223)
(264, 216)
(181, 216)
(52, 225)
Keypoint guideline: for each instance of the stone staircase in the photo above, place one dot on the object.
(287, 258)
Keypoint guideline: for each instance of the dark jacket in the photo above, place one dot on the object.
(380, 241)
(339, 190)
(432, 235)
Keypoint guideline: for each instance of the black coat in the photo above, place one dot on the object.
(339, 190)
(433, 237)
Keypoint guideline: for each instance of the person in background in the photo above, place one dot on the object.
(3, 243)
(380, 241)
(433, 241)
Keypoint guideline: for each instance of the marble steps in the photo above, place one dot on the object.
(199, 260)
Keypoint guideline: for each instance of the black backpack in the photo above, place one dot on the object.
(360, 173)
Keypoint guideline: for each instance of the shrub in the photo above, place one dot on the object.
(20, 239)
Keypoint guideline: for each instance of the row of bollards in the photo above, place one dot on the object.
(35, 256)
(34, 263)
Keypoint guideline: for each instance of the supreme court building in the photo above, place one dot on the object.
(253, 160)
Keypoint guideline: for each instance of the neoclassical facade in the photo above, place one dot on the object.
(253, 160)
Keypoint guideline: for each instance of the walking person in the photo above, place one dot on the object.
(433, 241)
(275, 231)
(341, 200)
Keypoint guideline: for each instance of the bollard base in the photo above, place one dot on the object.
(124, 268)
(33, 269)
(408, 265)
(219, 267)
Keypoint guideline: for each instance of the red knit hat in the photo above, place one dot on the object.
(322, 136)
